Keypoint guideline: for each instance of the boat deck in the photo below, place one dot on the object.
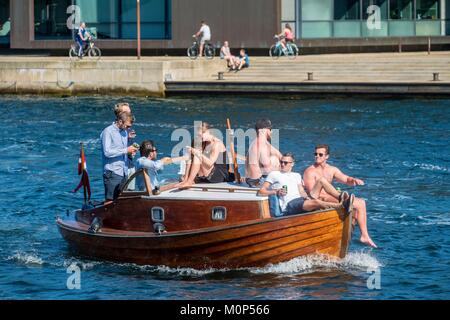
(212, 191)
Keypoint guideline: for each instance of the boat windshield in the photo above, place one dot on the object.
(136, 183)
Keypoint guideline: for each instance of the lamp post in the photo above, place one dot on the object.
(138, 15)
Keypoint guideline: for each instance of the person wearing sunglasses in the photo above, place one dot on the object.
(148, 161)
(321, 169)
(288, 187)
(115, 150)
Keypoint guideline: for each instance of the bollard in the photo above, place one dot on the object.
(219, 75)
(310, 76)
(435, 76)
(168, 77)
(429, 45)
(400, 46)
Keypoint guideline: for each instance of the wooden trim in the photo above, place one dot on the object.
(264, 209)
(346, 234)
(229, 189)
(148, 192)
(147, 182)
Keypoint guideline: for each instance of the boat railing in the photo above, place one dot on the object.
(219, 188)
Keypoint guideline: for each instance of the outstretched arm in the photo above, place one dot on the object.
(345, 179)
(168, 160)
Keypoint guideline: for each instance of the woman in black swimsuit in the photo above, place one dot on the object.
(209, 163)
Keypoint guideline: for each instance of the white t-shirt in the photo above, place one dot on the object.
(206, 32)
(278, 179)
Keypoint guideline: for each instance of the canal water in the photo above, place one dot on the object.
(399, 147)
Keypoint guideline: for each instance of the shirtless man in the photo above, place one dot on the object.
(320, 169)
(262, 157)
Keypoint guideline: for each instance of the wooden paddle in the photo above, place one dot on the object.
(237, 175)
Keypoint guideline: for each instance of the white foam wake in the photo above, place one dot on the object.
(354, 260)
(26, 258)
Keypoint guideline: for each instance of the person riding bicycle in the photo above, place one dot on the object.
(286, 36)
(205, 32)
(82, 38)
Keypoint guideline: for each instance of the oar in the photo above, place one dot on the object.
(237, 175)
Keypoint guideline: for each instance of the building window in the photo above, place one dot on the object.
(401, 9)
(5, 22)
(368, 18)
(347, 15)
(427, 9)
(317, 16)
(347, 10)
(105, 19)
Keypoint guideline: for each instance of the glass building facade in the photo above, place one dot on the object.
(366, 18)
(5, 22)
(105, 19)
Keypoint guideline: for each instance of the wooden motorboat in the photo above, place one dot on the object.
(206, 226)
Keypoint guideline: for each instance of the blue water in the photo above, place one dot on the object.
(399, 147)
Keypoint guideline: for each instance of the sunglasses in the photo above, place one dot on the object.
(318, 154)
(285, 163)
(153, 150)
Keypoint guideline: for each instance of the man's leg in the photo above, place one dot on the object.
(311, 205)
(241, 64)
(112, 183)
(80, 48)
(202, 44)
(274, 206)
(361, 217)
(323, 184)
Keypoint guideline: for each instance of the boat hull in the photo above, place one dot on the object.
(250, 244)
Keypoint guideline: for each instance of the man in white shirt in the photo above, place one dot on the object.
(205, 31)
(288, 186)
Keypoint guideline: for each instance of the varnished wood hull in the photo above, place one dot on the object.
(249, 244)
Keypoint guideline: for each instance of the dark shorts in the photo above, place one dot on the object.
(218, 174)
(113, 184)
(256, 183)
(295, 206)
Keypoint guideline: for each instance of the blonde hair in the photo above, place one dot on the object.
(118, 107)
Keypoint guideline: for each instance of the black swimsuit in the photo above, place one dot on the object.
(219, 173)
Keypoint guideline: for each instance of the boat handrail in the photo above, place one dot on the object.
(229, 189)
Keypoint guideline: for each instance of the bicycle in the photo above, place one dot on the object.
(194, 50)
(277, 50)
(92, 51)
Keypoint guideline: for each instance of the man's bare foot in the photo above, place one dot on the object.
(185, 185)
(366, 240)
(343, 197)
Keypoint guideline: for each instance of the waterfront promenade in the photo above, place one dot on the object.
(372, 73)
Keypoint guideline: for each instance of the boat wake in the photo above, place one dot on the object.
(26, 258)
(353, 261)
